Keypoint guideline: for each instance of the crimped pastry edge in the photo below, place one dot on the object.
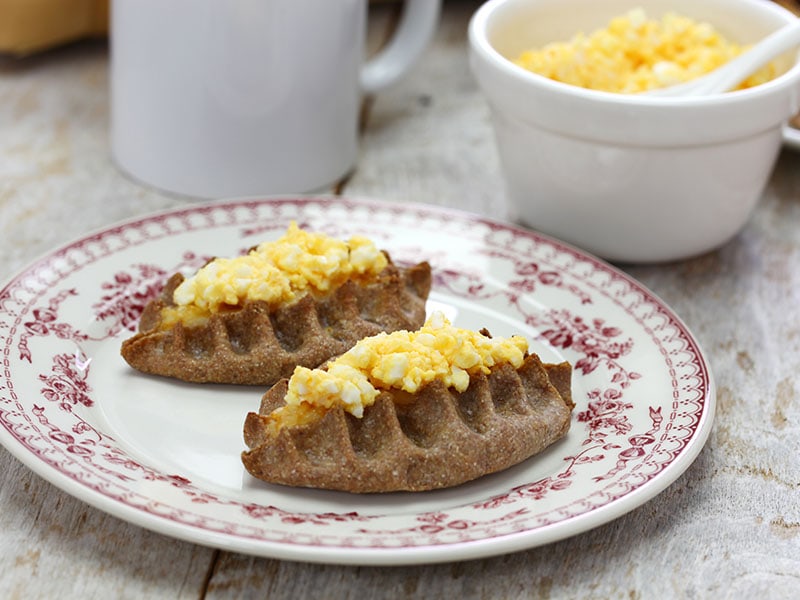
(395, 300)
(323, 454)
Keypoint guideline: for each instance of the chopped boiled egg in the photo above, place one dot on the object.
(635, 54)
(276, 272)
(402, 360)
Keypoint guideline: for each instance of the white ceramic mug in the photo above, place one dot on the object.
(213, 98)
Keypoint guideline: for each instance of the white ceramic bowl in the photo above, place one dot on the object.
(629, 178)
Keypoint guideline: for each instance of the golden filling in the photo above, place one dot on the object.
(636, 54)
(277, 272)
(401, 360)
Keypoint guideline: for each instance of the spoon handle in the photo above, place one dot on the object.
(740, 68)
(747, 63)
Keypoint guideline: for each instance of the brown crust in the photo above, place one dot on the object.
(440, 439)
(254, 346)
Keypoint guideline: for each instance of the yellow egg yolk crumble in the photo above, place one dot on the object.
(276, 272)
(402, 360)
(636, 54)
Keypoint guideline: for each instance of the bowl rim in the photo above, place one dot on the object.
(481, 47)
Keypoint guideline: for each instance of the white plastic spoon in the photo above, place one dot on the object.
(740, 68)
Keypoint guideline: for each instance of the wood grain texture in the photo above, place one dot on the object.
(728, 528)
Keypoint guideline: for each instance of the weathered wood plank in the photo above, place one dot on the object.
(53, 545)
(429, 138)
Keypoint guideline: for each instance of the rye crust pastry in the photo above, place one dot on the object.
(433, 439)
(252, 345)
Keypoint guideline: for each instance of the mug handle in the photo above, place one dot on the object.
(415, 31)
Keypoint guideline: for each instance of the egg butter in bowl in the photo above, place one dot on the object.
(591, 155)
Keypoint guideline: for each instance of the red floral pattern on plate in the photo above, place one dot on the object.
(571, 304)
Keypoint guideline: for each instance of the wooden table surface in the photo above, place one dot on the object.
(729, 527)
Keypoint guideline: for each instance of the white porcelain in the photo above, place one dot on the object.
(791, 137)
(630, 178)
(165, 454)
(215, 98)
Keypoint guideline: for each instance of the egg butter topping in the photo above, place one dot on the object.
(402, 360)
(276, 272)
(636, 54)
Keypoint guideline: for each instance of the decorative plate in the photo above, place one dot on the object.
(165, 455)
